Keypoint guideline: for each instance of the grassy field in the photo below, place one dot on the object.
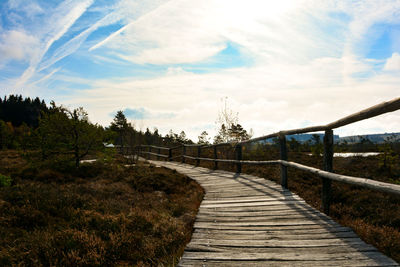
(98, 215)
(374, 216)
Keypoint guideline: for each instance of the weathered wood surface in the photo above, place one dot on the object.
(249, 221)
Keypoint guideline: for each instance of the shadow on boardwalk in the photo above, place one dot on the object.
(247, 220)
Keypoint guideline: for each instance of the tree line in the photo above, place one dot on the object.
(54, 130)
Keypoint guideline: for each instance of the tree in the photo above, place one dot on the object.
(65, 132)
(84, 135)
(182, 137)
(229, 130)
(171, 137)
(388, 157)
(203, 139)
(317, 147)
(120, 126)
(294, 145)
(148, 137)
(18, 110)
(237, 133)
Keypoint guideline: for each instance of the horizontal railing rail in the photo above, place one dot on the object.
(158, 147)
(363, 182)
(326, 174)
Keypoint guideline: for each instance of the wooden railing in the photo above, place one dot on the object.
(326, 174)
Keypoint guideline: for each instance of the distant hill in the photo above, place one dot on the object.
(302, 138)
(374, 138)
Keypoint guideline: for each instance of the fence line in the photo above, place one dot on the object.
(326, 174)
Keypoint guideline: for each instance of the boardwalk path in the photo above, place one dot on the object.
(246, 220)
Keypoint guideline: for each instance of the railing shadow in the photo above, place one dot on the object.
(289, 199)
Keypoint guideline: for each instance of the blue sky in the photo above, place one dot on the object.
(169, 64)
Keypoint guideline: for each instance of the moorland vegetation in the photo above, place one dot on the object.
(56, 210)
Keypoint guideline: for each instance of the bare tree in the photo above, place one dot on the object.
(229, 130)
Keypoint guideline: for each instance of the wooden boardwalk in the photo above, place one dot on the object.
(245, 220)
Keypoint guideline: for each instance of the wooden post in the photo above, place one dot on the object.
(158, 152)
(183, 153)
(283, 152)
(328, 166)
(169, 154)
(148, 155)
(215, 157)
(238, 157)
(198, 156)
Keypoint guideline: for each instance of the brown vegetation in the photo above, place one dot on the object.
(97, 215)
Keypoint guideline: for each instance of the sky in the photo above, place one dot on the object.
(172, 64)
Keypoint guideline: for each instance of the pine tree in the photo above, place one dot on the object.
(120, 126)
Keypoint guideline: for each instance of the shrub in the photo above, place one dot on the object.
(5, 180)
(98, 218)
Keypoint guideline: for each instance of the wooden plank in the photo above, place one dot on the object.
(280, 243)
(207, 218)
(249, 191)
(237, 188)
(272, 206)
(290, 256)
(303, 228)
(212, 194)
(276, 233)
(278, 249)
(242, 193)
(251, 200)
(279, 263)
(300, 224)
(240, 181)
(261, 235)
(267, 212)
(252, 204)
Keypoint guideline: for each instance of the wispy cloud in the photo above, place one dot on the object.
(16, 45)
(31, 8)
(75, 43)
(131, 12)
(158, 59)
(62, 19)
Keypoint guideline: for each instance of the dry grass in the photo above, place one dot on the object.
(95, 216)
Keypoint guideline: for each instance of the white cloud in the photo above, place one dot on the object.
(17, 45)
(30, 8)
(393, 63)
(309, 95)
(305, 58)
(172, 33)
(187, 32)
